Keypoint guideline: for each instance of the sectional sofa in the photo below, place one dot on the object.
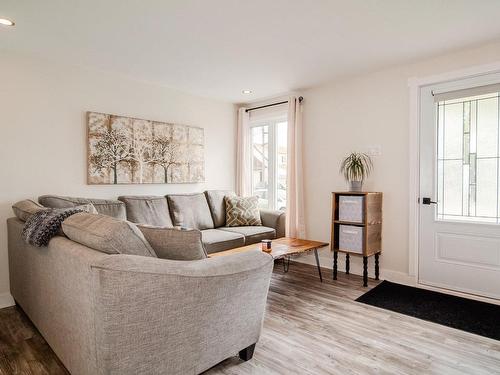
(204, 211)
(131, 314)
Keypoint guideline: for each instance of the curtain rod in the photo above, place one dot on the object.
(271, 105)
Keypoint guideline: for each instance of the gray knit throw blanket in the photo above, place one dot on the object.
(45, 224)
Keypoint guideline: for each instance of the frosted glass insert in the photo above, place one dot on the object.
(487, 127)
(452, 199)
(468, 159)
(486, 189)
(453, 130)
(440, 132)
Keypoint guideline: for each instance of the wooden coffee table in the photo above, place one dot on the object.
(282, 248)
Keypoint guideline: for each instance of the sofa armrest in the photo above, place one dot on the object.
(274, 219)
(177, 317)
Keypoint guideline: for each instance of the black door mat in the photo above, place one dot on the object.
(468, 315)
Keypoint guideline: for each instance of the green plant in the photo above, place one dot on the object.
(356, 166)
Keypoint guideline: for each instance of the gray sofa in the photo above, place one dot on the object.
(130, 314)
(203, 211)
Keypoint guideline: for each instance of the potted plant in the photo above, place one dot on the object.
(355, 168)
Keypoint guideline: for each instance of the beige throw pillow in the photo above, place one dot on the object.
(25, 208)
(107, 234)
(173, 243)
(242, 211)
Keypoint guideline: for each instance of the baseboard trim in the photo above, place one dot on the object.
(6, 300)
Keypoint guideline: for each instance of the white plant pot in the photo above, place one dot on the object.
(355, 186)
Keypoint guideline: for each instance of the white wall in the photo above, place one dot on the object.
(43, 133)
(351, 115)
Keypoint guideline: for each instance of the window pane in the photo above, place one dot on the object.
(281, 164)
(260, 164)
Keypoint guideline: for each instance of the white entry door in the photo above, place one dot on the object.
(459, 205)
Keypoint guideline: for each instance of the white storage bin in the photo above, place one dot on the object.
(351, 208)
(351, 238)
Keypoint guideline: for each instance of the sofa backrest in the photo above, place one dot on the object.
(107, 207)
(147, 209)
(217, 205)
(190, 210)
(199, 210)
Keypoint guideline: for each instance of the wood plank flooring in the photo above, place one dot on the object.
(310, 328)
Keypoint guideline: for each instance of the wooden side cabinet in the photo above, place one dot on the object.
(356, 229)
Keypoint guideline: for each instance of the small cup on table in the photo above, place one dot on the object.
(266, 245)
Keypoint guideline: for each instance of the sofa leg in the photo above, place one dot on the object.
(247, 353)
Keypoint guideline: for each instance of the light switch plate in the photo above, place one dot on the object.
(374, 150)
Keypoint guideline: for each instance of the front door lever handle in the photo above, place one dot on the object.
(427, 201)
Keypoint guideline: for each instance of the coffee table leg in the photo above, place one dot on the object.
(347, 264)
(335, 256)
(317, 264)
(376, 267)
(286, 264)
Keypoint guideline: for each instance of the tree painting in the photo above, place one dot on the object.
(109, 151)
(124, 150)
(165, 154)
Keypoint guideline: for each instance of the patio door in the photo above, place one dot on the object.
(459, 205)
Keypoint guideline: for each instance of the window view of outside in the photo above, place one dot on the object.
(269, 163)
(281, 154)
(468, 159)
(260, 164)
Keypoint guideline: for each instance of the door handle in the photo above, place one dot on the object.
(428, 201)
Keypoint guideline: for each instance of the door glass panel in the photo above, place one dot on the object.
(468, 156)
(452, 187)
(486, 188)
(453, 130)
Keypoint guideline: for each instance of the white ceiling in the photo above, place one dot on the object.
(216, 48)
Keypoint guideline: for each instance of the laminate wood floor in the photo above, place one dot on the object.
(310, 328)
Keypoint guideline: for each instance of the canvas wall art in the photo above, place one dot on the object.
(125, 150)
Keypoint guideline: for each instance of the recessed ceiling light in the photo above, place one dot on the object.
(247, 91)
(6, 22)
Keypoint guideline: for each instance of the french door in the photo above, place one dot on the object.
(459, 205)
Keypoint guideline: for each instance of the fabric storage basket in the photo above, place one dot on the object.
(351, 208)
(351, 238)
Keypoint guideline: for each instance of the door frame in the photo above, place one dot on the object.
(415, 84)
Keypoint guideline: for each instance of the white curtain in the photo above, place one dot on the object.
(243, 154)
(295, 224)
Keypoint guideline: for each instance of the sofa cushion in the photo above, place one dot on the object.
(25, 208)
(107, 234)
(175, 244)
(190, 211)
(150, 210)
(215, 199)
(253, 234)
(107, 207)
(216, 240)
(242, 211)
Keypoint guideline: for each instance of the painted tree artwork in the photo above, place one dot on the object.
(125, 150)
